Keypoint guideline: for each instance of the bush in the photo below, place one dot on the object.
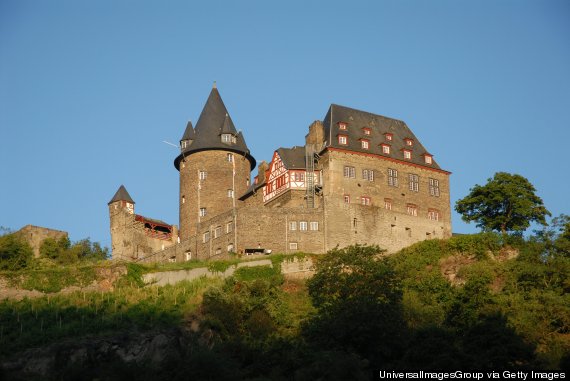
(15, 253)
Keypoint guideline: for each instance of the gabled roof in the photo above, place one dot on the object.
(188, 132)
(212, 121)
(121, 195)
(379, 125)
(293, 158)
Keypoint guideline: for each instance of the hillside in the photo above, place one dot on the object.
(467, 302)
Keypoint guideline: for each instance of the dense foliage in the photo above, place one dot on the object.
(15, 253)
(507, 203)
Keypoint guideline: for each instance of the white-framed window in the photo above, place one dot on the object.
(314, 225)
(217, 232)
(229, 227)
(346, 199)
(433, 214)
(412, 210)
(206, 236)
(342, 126)
(414, 182)
(230, 157)
(434, 187)
(183, 143)
(368, 174)
(409, 142)
(303, 226)
(365, 200)
(343, 139)
(349, 172)
(366, 131)
(183, 199)
(388, 203)
(428, 159)
(365, 144)
(230, 248)
(230, 193)
(226, 138)
(293, 246)
(203, 175)
(388, 136)
(202, 212)
(188, 255)
(299, 176)
(392, 177)
(293, 225)
(407, 154)
(385, 149)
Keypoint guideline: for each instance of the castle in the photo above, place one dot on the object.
(360, 178)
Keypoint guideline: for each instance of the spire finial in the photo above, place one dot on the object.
(214, 86)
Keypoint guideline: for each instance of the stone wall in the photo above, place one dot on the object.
(35, 235)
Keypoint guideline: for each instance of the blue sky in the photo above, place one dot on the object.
(90, 89)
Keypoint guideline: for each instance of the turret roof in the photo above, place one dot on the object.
(121, 195)
(213, 121)
(188, 132)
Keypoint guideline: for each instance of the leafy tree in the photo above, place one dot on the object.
(507, 203)
(556, 237)
(15, 253)
(358, 297)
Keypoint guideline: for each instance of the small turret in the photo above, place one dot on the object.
(122, 199)
(188, 137)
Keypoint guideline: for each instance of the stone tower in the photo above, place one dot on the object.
(214, 165)
(121, 215)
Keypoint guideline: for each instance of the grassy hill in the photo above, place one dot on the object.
(470, 301)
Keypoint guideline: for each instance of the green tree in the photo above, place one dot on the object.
(358, 297)
(555, 237)
(15, 253)
(507, 203)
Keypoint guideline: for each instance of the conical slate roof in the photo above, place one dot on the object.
(121, 195)
(188, 133)
(212, 123)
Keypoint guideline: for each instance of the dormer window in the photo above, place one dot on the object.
(409, 142)
(367, 131)
(342, 126)
(343, 139)
(227, 138)
(385, 149)
(183, 143)
(407, 154)
(388, 136)
(428, 159)
(365, 144)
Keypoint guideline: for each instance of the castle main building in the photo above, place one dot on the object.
(360, 178)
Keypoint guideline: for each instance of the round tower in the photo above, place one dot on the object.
(214, 164)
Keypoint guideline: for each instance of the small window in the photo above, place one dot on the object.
(293, 225)
(293, 246)
(230, 248)
(202, 212)
(368, 174)
(206, 237)
(299, 176)
(218, 250)
(414, 182)
(217, 232)
(354, 223)
(388, 136)
(342, 126)
(428, 159)
(303, 225)
(366, 131)
(314, 225)
(392, 177)
(229, 227)
(412, 210)
(203, 175)
(227, 138)
(349, 172)
(407, 154)
(230, 157)
(343, 139)
(347, 199)
(183, 143)
(183, 199)
(388, 204)
(365, 144)
(385, 149)
(230, 193)
(188, 255)
(365, 200)
(409, 142)
(433, 214)
(434, 187)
